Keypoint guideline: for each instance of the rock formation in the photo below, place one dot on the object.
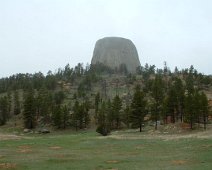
(115, 51)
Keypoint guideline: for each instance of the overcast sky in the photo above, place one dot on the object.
(42, 35)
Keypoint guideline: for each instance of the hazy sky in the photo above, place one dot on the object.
(42, 35)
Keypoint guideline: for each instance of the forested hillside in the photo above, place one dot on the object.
(97, 96)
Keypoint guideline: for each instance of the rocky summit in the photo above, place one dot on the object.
(114, 52)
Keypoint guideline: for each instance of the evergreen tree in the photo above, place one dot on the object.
(103, 126)
(81, 117)
(60, 116)
(81, 91)
(59, 97)
(76, 110)
(180, 97)
(97, 100)
(110, 113)
(197, 107)
(17, 105)
(138, 108)
(44, 104)
(29, 110)
(165, 109)
(9, 100)
(116, 109)
(172, 102)
(204, 108)
(126, 117)
(157, 94)
(190, 82)
(86, 117)
(190, 108)
(50, 81)
(191, 99)
(57, 116)
(4, 110)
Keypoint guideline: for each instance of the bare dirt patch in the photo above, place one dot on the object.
(55, 147)
(24, 149)
(12, 137)
(179, 162)
(207, 146)
(112, 161)
(201, 135)
(8, 166)
(139, 147)
(168, 134)
(9, 137)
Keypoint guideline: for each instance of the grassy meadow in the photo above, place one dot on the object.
(89, 151)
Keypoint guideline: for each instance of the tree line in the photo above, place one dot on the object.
(160, 95)
(165, 95)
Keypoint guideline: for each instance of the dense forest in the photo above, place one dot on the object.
(97, 96)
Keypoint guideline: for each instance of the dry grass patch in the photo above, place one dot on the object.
(8, 166)
(24, 149)
(179, 162)
(112, 162)
(55, 147)
(140, 147)
(207, 146)
(9, 137)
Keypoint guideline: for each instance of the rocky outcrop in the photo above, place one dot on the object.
(116, 51)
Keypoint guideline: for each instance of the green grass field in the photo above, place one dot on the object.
(89, 151)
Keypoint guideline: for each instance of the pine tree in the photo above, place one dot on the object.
(44, 104)
(197, 107)
(165, 109)
(110, 113)
(157, 94)
(57, 116)
(191, 99)
(126, 116)
(17, 105)
(29, 110)
(204, 108)
(190, 108)
(171, 103)
(138, 108)
(116, 109)
(9, 100)
(180, 97)
(103, 126)
(59, 97)
(4, 110)
(81, 116)
(65, 116)
(76, 110)
(86, 106)
(97, 100)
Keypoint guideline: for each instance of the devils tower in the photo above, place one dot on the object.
(115, 51)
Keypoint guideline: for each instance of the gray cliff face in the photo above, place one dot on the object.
(114, 51)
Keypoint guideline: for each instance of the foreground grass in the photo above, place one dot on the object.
(89, 151)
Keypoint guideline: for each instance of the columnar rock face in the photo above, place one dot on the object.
(115, 51)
